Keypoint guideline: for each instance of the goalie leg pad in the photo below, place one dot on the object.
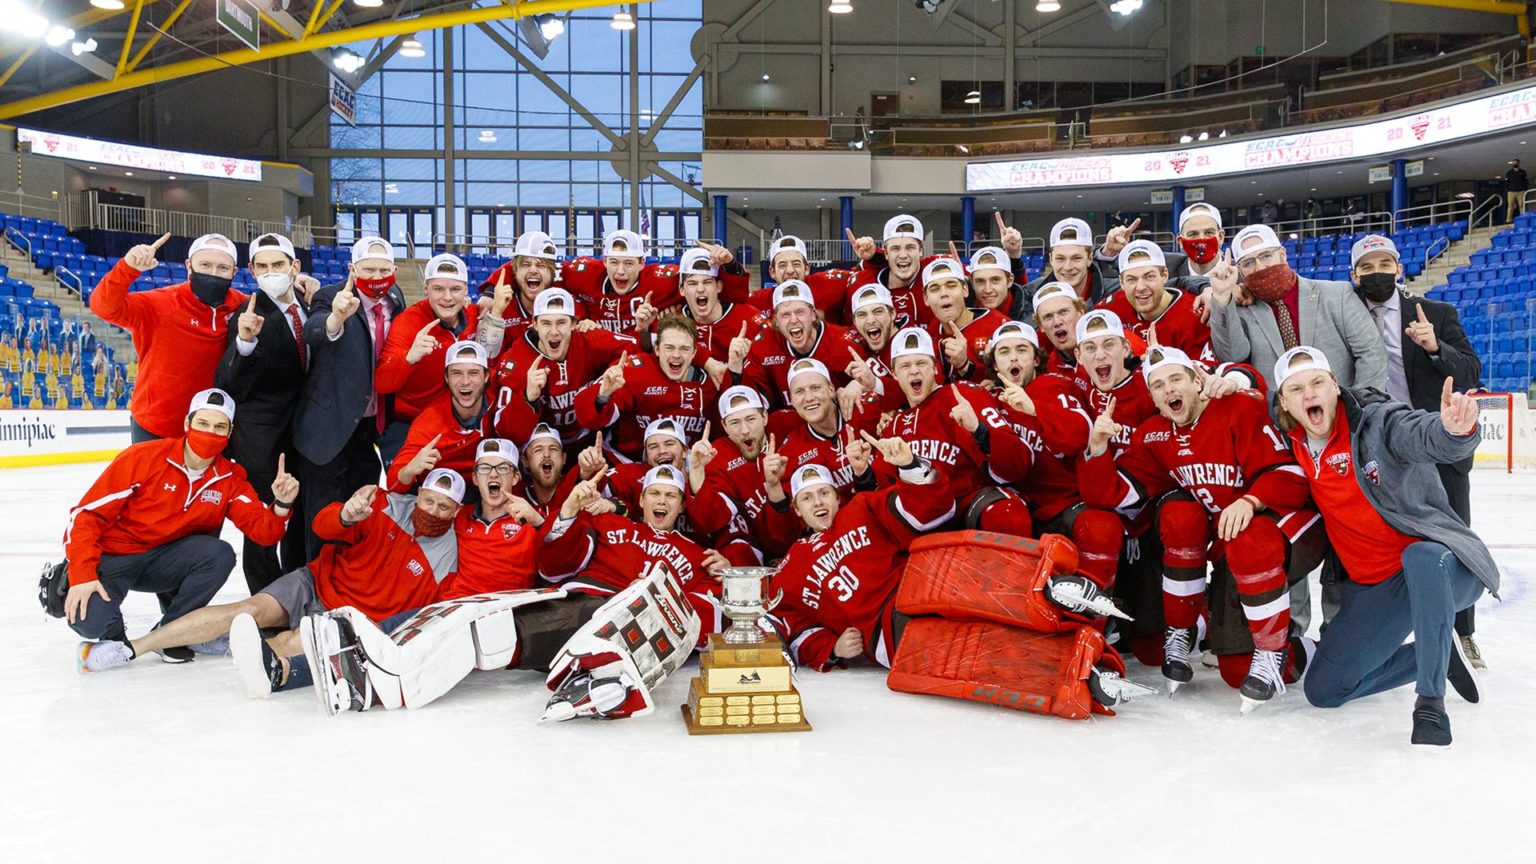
(979, 661)
(993, 577)
(633, 641)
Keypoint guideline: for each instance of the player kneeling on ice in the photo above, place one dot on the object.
(1411, 563)
(1225, 453)
(975, 615)
(150, 523)
(607, 637)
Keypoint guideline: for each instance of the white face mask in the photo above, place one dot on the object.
(274, 285)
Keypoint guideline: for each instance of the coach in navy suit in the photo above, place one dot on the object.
(341, 414)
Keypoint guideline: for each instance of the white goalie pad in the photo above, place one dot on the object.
(609, 667)
(434, 649)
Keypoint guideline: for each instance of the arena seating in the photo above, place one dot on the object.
(1495, 296)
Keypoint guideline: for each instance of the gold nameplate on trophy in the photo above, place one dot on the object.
(744, 682)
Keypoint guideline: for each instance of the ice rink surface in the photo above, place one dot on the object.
(173, 763)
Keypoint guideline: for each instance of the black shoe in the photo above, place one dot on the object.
(176, 654)
(1459, 672)
(1431, 726)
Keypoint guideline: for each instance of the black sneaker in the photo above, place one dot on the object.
(1459, 672)
(176, 654)
(1431, 726)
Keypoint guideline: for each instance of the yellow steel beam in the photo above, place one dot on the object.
(316, 23)
(276, 26)
(25, 56)
(133, 25)
(287, 48)
(1497, 7)
(155, 36)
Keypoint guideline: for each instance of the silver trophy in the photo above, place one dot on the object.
(741, 596)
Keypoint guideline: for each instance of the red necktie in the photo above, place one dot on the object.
(378, 347)
(298, 334)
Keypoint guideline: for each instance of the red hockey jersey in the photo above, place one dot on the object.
(648, 395)
(978, 334)
(1178, 327)
(766, 369)
(585, 359)
(603, 554)
(934, 436)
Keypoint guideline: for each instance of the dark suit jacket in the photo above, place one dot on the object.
(340, 381)
(266, 386)
(1426, 375)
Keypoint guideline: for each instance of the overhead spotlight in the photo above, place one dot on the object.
(622, 20)
(346, 60)
(911, 79)
(1204, 136)
(16, 17)
(85, 47)
(110, 5)
(1125, 8)
(550, 26)
(170, 177)
(412, 47)
(973, 97)
(766, 77)
(1185, 139)
(127, 173)
(369, 4)
(840, 7)
(57, 35)
(1047, 6)
(856, 144)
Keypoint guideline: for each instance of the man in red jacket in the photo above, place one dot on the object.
(179, 331)
(150, 522)
(420, 336)
(448, 432)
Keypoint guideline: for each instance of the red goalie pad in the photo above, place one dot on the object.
(994, 577)
(1045, 673)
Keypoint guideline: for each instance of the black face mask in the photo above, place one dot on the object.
(1377, 287)
(209, 288)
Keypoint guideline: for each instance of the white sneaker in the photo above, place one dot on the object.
(260, 670)
(98, 656)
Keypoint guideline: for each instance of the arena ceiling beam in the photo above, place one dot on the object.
(128, 80)
(1520, 10)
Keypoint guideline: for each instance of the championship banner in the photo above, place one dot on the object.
(29, 438)
(1406, 132)
(134, 156)
(343, 101)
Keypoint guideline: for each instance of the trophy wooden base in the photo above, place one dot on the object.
(743, 688)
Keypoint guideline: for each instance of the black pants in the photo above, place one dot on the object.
(255, 447)
(138, 434)
(1458, 488)
(356, 466)
(186, 573)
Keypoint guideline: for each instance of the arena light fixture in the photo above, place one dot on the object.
(767, 78)
(412, 47)
(346, 60)
(85, 47)
(550, 26)
(622, 20)
(973, 97)
(110, 5)
(840, 7)
(1125, 8)
(1203, 136)
(57, 35)
(1047, 6)
(369, 4)
(487, 136)
(1185, 139)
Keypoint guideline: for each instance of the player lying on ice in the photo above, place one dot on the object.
(627, 613)
(973, 615)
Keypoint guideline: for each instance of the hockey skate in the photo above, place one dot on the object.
(597, 693)
(1178, 643)
(340, 681)
(1077, 594)
(1110, 688)
(1265, 681)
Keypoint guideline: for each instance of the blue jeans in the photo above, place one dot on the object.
(1363, 651)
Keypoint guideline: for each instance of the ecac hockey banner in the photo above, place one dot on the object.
(59, 437)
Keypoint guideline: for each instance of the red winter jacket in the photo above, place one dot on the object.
(179, 339)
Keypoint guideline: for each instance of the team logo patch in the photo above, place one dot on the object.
(509, 531)
(1373, 472)
(1339, 462)
(212, 496)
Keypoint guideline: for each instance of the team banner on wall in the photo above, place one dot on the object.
(1413, 131)
(343, 101)
(58, 437)
(131, 156)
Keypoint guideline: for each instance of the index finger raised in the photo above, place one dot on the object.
(433, 443)
(430, 324)
(1134, 226)
(161, 242)
(1422, 318)
(848, 232)
(997, 216)
(251, 306)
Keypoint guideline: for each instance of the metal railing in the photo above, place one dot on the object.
(1435, 250)
(20, 241)
(35, 206)
(1429, 214)
(1377, 221)
(1484, 211)
(149, 220)
(487, 244)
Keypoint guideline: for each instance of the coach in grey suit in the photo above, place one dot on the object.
(1323, 314)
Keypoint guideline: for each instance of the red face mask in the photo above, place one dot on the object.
(428, 525)
(375, 289)
(1271, 283)
(1201, 250)
(206, 445)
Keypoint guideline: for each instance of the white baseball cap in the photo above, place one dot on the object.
(271, 241)
(446, 482)
(1159, 357)
(554, 301)
(218, 243)
(1200, 208)
(1302, 358)
(1099, 322)
(696, 261)
(372, 247)
(787, 243)
(446, 265)
(943, 268)
(991, 258)
(806, 365)
(807, 476)
(543, 430)
(666, 475)
(1013, 330)
(213, 399)
(1241, 248)
(903, 226)
(1071, 232)
(466, 351)
(535, 244)
(1052, 290)
(496, 448)
(793, 290)
(625, 244)
(912, 340)
(1372, 243)
(665, 426)
(1150, 253)
(740, 398)
(873, 294)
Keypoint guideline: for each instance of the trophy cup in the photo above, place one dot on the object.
(744, 682)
